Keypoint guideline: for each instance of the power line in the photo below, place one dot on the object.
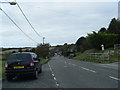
(17, 26)
(27, 19)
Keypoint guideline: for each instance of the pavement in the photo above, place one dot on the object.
(61, 72)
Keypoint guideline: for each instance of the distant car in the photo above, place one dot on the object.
(22, 63)
(71, 55)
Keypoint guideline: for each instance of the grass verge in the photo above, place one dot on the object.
(2, 69)
(44, 61)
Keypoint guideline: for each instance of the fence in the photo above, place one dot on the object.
(117, 46)
(117, 50)
(98, 56)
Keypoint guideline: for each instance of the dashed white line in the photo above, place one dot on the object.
(57, 84)
(73, 64)
(69, 63)
(88, 70)
(53, 75)
(114, 78)
(83, 68)
(54, 78)
(93, 71)
(50, 67)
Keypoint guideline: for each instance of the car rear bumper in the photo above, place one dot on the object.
(19, 72)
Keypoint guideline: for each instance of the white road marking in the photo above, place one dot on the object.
(57, 84)
(53, 75)
(50, 67)
(93, 71)
(83, 68)
(114, 78)
(69, 63)
(54, 78)
(88, 69)
(73, 64)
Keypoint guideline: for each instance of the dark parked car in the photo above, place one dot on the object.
(71, 55)
(22, 63)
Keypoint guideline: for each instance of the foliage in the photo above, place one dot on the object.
(27, 50)
(95, 40)
(68, 49)
(44, 61)
(114, 26)
(102, 30)
(107, 37)
(42, 50)
(2, 72)
(81, 44)
(20, 50)
(5, 55)
(13, 51)
(64, 50)
(84, 57)
(32, 50)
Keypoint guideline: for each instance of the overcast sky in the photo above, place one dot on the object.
(59, 22)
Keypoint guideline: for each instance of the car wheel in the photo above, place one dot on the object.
(36, 74)
(9, 78)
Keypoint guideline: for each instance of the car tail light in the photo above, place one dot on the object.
(6, 65)
(32, 64)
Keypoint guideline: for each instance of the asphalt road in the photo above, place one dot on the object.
(61, 72)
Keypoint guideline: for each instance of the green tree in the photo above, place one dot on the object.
(114, 26)
(27, 50)
(32, 50)
(13, 51)
(20, 50)
(97, 39)
(42, 50)
(102, 30)
(81, 44)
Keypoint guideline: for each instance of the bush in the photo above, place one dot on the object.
(95, 40)
(42, 50)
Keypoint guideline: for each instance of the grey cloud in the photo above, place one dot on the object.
(58, 22)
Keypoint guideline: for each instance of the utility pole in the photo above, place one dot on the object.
(43, 40)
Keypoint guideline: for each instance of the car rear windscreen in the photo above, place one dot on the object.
(21, 57)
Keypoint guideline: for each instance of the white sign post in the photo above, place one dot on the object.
(102, 47)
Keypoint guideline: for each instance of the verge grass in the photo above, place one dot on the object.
(83, 57)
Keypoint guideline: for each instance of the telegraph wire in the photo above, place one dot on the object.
(27, 19)
(17, 25)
